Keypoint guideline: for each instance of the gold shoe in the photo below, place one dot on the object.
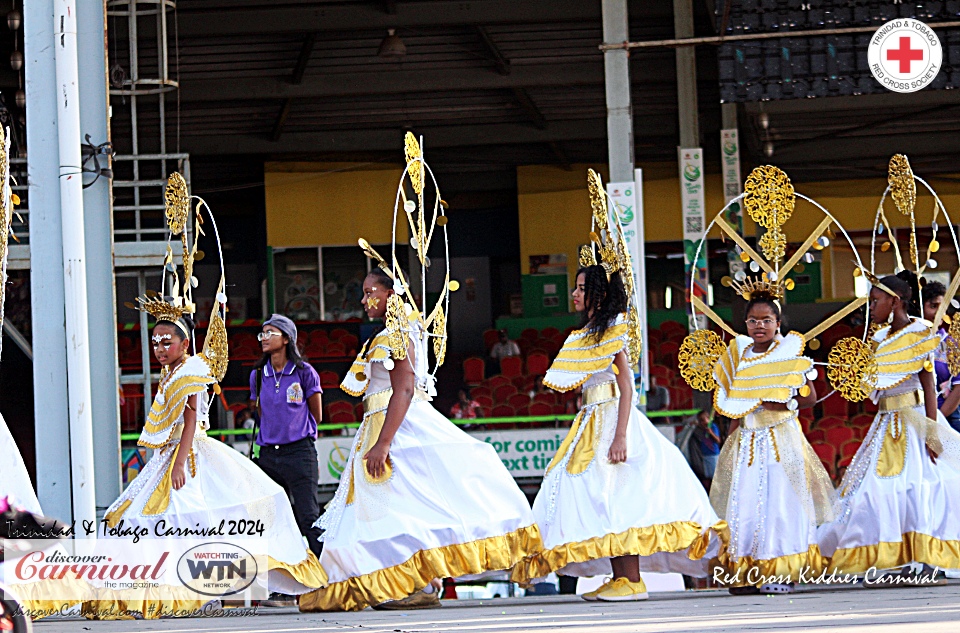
(622, 590)
(592, 595)
(418, 600)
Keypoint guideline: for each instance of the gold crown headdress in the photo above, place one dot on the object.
(607, 241)
(769, 198)
(7, 201)
(176, 300)
(902, 189)
(425, 210)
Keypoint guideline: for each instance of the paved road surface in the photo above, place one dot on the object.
(836, 609)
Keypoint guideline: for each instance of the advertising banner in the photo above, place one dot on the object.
(693, 202)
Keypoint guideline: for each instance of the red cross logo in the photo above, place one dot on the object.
(905, 55)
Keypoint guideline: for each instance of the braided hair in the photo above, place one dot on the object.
(381, 276)
(914, 308)
(607, 299)
(902, 287)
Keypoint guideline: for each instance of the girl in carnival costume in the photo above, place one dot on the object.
(419, 499)
(618, 496)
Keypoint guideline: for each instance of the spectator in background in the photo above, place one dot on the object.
(707, 437)
(948, 386)
(503, 348)
(537, 388)
(465, 407)
(285, 389)
(658, 396)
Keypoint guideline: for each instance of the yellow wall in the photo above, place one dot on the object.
(330, 204)
(555, 210)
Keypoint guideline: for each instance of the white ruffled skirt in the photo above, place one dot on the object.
(15, 482)
(895, 505)
(773, 492)
(227, 487)
(651, 505)
(449, 508)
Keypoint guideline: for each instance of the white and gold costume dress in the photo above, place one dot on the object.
(896, 506)
(590, 510)
(16, 480)
(221, 485)
(446, 506)
(769, 485)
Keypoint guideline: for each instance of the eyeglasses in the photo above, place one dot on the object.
(263, 336)
(764, 323)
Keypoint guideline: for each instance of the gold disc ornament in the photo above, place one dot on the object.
(698, 355)
(852, 369)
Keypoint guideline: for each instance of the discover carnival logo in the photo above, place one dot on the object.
(905, 55)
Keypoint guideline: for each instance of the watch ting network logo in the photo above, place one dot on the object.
(905, 55)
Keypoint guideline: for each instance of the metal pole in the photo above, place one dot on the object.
(74, 260)
(690, 41)
(616, 70)
(52, 428)
(98, 228)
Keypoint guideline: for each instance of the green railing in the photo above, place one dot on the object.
(513, 420)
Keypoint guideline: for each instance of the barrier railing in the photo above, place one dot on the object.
(513, 420)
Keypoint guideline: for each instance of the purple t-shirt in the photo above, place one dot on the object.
(945, 382)
(284, 414)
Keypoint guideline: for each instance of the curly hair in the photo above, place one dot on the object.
(932, 290)
(765, 299)
(606, 299)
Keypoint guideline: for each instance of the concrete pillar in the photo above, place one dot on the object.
(46, 264)
(98, 229)
(686, 75)
(617, 80)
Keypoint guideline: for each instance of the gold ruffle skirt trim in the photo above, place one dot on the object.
(750, 571)
(646, 541)
(151, 603)
(914, 547)
(450, 561)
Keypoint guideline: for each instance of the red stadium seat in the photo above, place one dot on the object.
(541, 408)
(537, 364)
(829, 422)
(490, 338)
(837, 435)
(849, 448)
(473, 369)
(667, 353)
(518, 400)
(826, 452)
(337, 334)
(498, 381)
(340, 406)
(483, 401)
(511, 366)
(502, 393)
(329, 379)
(815, 435)
(836, 405)
(530, 334)
(549, 332)
(342, 417)
(502, 411)
(480, 390)
(358, 410)
(549, 398)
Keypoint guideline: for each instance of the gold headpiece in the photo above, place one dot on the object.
(902, 188)
(402, 306)
(757, 286)
(769, 199)
(175, 300)
(7, 202)
(607, 241)
(602, 240)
